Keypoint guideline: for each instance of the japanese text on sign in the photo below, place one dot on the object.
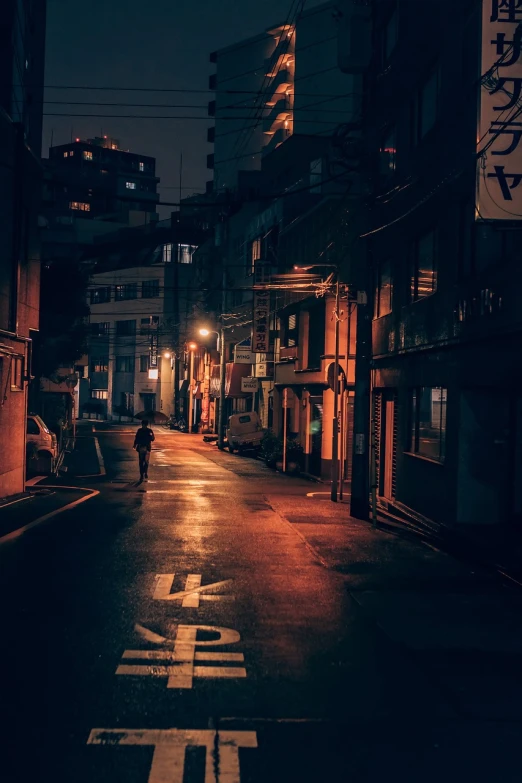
(499, 175)
(261, 326)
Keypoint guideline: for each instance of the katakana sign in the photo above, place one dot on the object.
(499, 172)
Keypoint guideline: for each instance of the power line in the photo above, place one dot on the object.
(163, 117)
(178, 90)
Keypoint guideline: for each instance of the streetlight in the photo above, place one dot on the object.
(166, 355)
(191, 347)
(335, 422)
(220, 347)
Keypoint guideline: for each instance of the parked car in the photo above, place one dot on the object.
(244, 432)
(43, 445)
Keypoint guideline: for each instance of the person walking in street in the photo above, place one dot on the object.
(143, 444)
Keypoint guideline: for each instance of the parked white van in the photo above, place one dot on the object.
(45, 445)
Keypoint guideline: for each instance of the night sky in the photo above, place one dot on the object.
(132, 43)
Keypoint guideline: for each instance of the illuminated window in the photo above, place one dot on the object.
(167, 253)
(130, 185)
(126, 291)
(142, 166)
(146, 324)
(17, 381)
(424, 268)
(101, 295)
(100, 364)
(71, 153)
(87, 155)
(99, 394)
(65, 154)
(428, 422)
(185, 253)
(255, 254)
(291, 331)
(82, 206)
(383, 289)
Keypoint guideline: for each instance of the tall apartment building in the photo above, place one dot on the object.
(22, 42)
(141, 298)
(97, 180)
(283, 81)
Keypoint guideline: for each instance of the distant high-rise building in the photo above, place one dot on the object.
(280, 82)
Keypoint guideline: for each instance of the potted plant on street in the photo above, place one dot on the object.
(271, 449)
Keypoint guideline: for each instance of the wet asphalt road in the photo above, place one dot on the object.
(183, 631)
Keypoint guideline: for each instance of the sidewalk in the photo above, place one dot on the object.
(36, 507)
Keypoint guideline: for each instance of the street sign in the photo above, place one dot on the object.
(341, 376)
(261, 370)
(244, 356)
(249, 384)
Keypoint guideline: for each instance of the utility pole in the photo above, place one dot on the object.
(359, 506)
(191, 396)
(335, 421)
(222, 368)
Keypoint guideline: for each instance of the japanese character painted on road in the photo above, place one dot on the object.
(503, 47)
(503, 178)
(513, 129)
(501, 87)
(506, 11)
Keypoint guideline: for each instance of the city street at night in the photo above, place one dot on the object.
(224, 622)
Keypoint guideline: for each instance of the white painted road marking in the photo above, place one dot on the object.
(192, 594)
(179, 656)
(168, 760)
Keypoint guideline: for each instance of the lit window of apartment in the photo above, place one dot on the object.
(71, 153)
(130, 185)
(99, 394)
(424, 267)
(255, 254)
(100, 364)
(185, 253)
(125, 364)
(142, 166)
(100, 295)
(167, 253)
(65, 154)
(81, 206)
(87, 155)
(149, 289)
(383, 289)
(428, 422)
(17, 376)
(291, 331)
(126, 291)
(148, 323)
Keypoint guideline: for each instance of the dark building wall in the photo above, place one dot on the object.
(465, 335)
(22, 36)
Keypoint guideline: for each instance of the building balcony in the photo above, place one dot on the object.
(279, 111)
(281, 82)
(277, 138)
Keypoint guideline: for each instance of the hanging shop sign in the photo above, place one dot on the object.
(153, 359)
(244, 355)
(499, 163)
(249, 384)
(261, 322)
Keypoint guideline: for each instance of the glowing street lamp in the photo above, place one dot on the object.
(220, 347)
(167, 355)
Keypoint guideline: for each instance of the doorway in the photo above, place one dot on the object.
(385, 424)
(316, 433)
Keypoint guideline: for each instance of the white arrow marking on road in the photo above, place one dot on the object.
(170, 745)
(193, 592)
